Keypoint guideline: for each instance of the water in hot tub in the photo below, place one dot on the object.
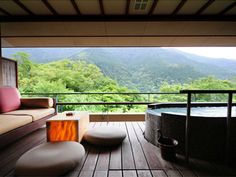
(198, 111)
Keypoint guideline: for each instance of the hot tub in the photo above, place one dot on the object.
(207, 128)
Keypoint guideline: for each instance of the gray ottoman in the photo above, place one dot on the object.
(50, 159)
(105, 136)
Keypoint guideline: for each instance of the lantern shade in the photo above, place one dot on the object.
(67, 128)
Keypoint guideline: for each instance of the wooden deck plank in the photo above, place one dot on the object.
(142, 126)
(91, 160)
(139, 158)
(100, 174)
(86, 173)
(115, 159)
(129, 173)
(103, 159)
(127, 160)
(150, 150)
(104, 123)
(173, 173)
(115, 174)
(127, 154)
(163, 163)
(116, 124)
(158, 173)
(144, 173)
(91, 124)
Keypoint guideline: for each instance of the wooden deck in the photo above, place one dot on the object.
(134, 158)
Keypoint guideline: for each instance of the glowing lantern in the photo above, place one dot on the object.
(67, 128)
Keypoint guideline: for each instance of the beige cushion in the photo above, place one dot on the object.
(42, 102)
(35, 113)
(105, 136)
(50, 159)
(9, 122)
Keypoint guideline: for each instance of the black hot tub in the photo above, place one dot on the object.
(207, 128)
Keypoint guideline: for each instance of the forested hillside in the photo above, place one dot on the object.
(70, 76)
(147, 68)
(144, 69)
(82, 76)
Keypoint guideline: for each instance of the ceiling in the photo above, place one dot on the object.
(69, 23)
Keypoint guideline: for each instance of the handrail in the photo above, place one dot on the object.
(145, 100)
(188, 117)
(208, 91)
(100, 93)
(104, 103)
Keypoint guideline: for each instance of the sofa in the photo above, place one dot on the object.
(21, 116)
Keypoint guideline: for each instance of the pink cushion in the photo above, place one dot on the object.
(9, 99)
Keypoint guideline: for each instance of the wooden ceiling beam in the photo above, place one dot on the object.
(154, 4)
(49, 6)
(75, 7)
(22, 6)
(101, 7)
(180, 5)
(231, 6)
(5, 12)
(127, 7)
(205, 6)
(115, 18)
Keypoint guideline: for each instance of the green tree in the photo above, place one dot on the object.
(206, 83)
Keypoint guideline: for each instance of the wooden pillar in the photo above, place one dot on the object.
(0, 41)
(1, 74)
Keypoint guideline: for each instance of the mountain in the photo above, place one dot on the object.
(144, 69)
(42, 55)
(147, 68)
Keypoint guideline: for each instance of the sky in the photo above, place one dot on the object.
(214, 52)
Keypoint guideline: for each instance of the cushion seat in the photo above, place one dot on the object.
(9, 99)
(50, 159)
(9, 122)
(36, 114)
(42, 102)
(105, 136)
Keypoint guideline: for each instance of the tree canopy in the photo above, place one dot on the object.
(79, 76)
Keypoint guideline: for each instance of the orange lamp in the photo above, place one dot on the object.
(62, 130)
(67, 126)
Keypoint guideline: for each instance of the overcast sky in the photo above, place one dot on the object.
(215, 52)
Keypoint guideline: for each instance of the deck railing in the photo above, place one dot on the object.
(228, 118)
(147, 98)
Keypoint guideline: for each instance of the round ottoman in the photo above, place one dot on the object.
(105, 136)
(50, 159)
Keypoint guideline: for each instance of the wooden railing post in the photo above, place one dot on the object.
(228, 120)
(56, 99)
(187, 127)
